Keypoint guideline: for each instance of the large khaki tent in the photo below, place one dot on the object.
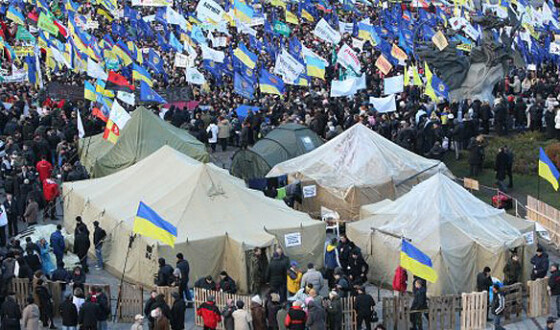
(218, 219)
(459, 232)
(355, 168)
(142, 135)
(283, 143)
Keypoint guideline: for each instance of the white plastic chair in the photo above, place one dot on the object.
(331, 218)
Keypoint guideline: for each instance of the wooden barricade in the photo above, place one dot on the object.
(474, 310)
(201, 296)
(546, 215)
(106, 288)
(444, 311)
(348, 313)
(131, 302)
(21, 287)
(513, 295)
(396, 312)
(166, 291)
(538, 302)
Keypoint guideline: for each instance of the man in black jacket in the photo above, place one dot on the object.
(81, 247)
(540, 264)
(165, 273)
(178, 312)
(364, 306)
(483, 280)
(419, 305)
(69, 312)
(206, 283)
(10, 313)
(357, 268)
(89, 313)
(184, 267)
(104, 308)
(554, 286)
(345, 247)
(98, 237)
(277, 273)
(11, 212)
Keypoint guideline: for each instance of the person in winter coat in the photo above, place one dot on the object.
(272, 307)
(345, 247)
(206, 283)
(357, 268)
(104, 308)
(512, 270)
(498, 305)
(30, 315)
(78, 278)
(257, 269)
(46, 262)
(476, 155)
(312, 276)
(81, 247)
(419, 303)
(227, 315)
(364, 306)
(57, 243)
(31, 212)
(281, 316)
(554, 286)
(227, 284)
(258, 313)
(501, 167)
(138, 323)
(45, 304)
(540, 264)
(293, 279)
(242, 319)
(185, 268)
(276, 273)
(69, 313)
(178, 312)
(88, 315)
(333, 307)
(10, 314)
(316, 317)
(484, 280)
(332, 261)
(210, 314)
(296, 318)
(400, 281)
(342, 284)
(224, 131)
(165, 273)
(212, 132)
(161, 322)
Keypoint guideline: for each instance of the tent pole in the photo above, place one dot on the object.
(130, 241)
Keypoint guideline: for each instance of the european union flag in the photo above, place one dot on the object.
(440, 88)
(243, 86)
(295, 47)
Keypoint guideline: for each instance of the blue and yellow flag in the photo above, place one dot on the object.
(148, 223)
(139, 73)
(15, 15)
(547, 169)
(417, 262)
(245, 56)
(315, 67)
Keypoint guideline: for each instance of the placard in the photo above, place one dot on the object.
(529, 238)
(292, 239)
(309, 191)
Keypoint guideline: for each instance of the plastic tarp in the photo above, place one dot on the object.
(142, 135)
(459, 232)
(283, 143)
(355, 168)
(218, 219)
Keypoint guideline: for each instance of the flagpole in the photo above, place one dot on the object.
(130, 241)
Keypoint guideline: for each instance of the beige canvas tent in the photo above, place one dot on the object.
(357, 167)
(142, 135)
(218, 219)
(459, 232)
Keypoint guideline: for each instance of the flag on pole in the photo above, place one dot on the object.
(148, 223)
(547, 169)
(417, 262)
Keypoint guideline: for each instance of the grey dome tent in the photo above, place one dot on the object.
(283, 143)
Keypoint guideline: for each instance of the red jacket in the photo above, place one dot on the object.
(50, 190)
(45, 169)
(400, 280)
(210, 314)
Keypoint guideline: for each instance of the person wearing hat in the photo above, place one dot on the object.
(210, 314)
(293, 278)
(242, 319)
(258, 313)
(540, 264)
(550, 323)
(177, 320)
(10, 313)
(554, 285)
(296, 318)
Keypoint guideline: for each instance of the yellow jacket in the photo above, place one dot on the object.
(294, 283)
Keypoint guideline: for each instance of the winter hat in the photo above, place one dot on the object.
(257, 299)
(275, 297)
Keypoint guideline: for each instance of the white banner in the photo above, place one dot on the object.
(17, 76)
(211, 54)
(325, 32)
(209, 9)
(174, 17)
(471, 32)
(347, 87)
(219, 42)
(194, 76)
(344, 27)
(95, 70)
(128, 98)
(357, 43)
(393, 85)
(118, 115)
(457, 23)
(349, 59)
(288, 67)
(181, 61)
(384, 104)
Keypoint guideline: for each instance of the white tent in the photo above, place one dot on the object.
(218, 219)
(459, 232)
(355, 168)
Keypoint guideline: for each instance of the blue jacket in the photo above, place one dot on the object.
(331, 257)
(57, 243)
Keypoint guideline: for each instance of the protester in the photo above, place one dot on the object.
(10, 313)
(357, 268)
(30, 315)
(57, 243)
(227, 315)
(419, 305)
(104, 308)
(69, 314)
(177, 320)
(210, 314)
(276, 273)
(82, 244)
(184, 267)
(484, 280)
(512, 270)
(540, 264)
(258, 313)
(272, 306)
(316, 317)
(45, 304)
(293, 281)
(364, 306)
(227, 284)
(206, 283)
(138, 323)
(296, 318)
(497, 306)
(258, 266)
(88, 315)
(242, 319)
(332, 261)
(554, 286)
(99, 236)
(341, 283)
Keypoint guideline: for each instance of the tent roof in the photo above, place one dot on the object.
(282, 143)
(437, 208)
(142, 135)
(358, 156)
(201, 200)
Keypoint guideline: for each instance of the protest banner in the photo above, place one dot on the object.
(325, 32)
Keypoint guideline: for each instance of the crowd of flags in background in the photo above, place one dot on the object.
(119, 67)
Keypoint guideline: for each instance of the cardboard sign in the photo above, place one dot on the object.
(292, 239)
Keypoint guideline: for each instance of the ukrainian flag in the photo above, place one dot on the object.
(15, 15)
(100, 88)
(417, 262)
(89, 92)
(315, 67)
(547, 170)
(243, 12)
(245, 56)
(139, 73)
(148, 223)
(121, 51)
